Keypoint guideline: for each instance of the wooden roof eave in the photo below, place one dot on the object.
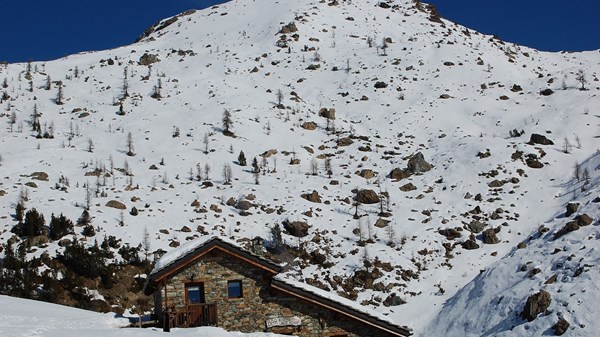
(155, 279)
(347, 311)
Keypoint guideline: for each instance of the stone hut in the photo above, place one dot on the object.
(213, 281)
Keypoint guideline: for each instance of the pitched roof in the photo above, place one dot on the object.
(337, 303)
(187, 253)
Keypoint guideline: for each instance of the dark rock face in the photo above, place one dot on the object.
(489, 236)
(296, 228)
(418, 164)
(536, 304)
(539, 139)
(572, 207)
(367, 197)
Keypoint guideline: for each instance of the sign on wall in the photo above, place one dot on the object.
(284, 321)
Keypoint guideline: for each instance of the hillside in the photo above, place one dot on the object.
(143, 125)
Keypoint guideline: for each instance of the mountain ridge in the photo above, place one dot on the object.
(421, 86)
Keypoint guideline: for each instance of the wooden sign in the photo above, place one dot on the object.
(284, 321)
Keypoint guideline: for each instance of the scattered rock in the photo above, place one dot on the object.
(31, 184)
(496, 183)
(536, 304)
(552, 279)
(116, 204)
(516, 88)
(195, 203)
(546, 92)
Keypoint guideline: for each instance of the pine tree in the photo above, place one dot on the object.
(242, 159)
(227, 122)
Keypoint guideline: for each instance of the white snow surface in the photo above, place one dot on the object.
(451, 93)
(24, 318)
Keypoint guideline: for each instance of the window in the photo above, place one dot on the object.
(194, 293)
(234, 289)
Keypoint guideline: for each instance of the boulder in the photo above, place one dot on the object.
(418, 164)
(584, 220)
(539, 139)
(148, 59)
(571, 226)
(470, 244)
(366, 173)
(244, 205)
(380, 85)
(309, 125)
(450, 233)
(116, 204)
(345, 141)
(536, 304)
(381, 223)
(546, 92)
(489, 236)
(367, 196)
(312, 197)
(408, 187)
(296, 228)
(327, 113)
(289, 28)
(393, 300)
(39, 176)
(399, 174)
(475, 226)
(561, 327)
(572, 207)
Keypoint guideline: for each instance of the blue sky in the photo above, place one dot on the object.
(45, 30)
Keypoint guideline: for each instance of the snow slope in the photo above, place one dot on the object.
(491, 304)
(448, 95)
(23, 318)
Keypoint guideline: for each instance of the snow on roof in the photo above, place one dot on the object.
(186, 248)
(334, 298)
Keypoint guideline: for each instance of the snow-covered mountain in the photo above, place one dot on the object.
(358, 88)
